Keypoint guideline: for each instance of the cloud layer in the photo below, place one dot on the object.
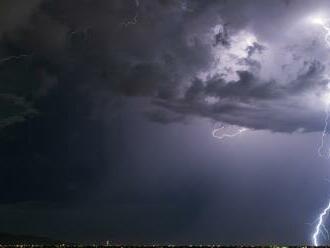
(260, 71)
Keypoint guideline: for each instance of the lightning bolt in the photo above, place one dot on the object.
(324, 133)
(320, 227)
(227, 135)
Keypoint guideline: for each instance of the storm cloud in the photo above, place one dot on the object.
(177, 54)
(107, 110)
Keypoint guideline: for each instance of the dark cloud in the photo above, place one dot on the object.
(249, 101)
(16, 14)
(222, 37)
(154, 57)
(77, 49)
(84, 85)
(14, 109)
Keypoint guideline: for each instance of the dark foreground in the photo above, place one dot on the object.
(141, 246)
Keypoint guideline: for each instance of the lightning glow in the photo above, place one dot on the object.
(320, 227)
(325, 24)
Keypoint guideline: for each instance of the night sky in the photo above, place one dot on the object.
(107, 109)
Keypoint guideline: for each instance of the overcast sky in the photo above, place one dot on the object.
(107, 110)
